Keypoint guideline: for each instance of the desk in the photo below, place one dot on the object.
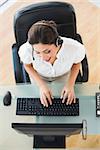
(10, 139)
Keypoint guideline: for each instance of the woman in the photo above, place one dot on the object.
(48, 57)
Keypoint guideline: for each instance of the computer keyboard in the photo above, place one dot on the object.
(33, 106)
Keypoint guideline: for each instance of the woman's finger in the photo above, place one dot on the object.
(64, 97)
(68, 99)
(44, 100)
(71, 99)
(51, 97)
(62, 94)
(74, 99)
(48, 97)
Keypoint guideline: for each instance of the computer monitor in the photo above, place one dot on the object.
(48, 135)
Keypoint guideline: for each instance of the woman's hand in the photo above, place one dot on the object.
(45, 95)
(68, 95)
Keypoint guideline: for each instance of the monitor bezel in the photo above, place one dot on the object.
(48, 129)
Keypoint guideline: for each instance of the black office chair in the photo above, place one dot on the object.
(64, 16)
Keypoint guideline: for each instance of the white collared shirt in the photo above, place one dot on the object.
(71, 52)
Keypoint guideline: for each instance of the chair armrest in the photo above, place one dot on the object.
(19, 71)
(84, 75)
(16, 65)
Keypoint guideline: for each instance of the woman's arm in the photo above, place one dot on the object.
(45, 93)
(68, 90)
(73, 74)
(34, 75)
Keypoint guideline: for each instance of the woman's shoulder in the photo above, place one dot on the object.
(25, 51)
(26, 45)
(25, 48)
(70, 41)
(72, 47)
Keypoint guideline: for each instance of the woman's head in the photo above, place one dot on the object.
(44, 32)
(44, 38)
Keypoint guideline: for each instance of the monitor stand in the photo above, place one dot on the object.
(46, 141)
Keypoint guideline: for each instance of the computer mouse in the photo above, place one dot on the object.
(7, 99)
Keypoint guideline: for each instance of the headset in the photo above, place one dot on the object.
(59, 41)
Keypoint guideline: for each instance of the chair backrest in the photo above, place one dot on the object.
(60, 12)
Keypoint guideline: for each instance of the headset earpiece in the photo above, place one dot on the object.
(59, 41)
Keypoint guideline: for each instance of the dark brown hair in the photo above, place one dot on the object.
(44, 32)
